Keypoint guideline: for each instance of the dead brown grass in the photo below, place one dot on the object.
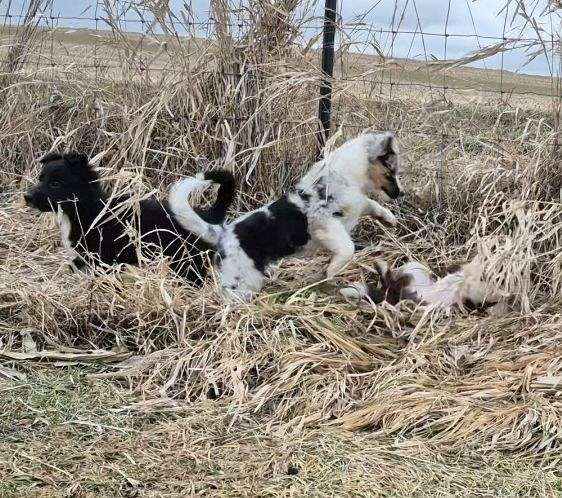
(298, 392)
(113, 446)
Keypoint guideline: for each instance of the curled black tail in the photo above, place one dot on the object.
(225, 195)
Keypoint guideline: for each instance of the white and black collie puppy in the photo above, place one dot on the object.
(459, 285)
(96, 229)
(318, 213)
(367, 164)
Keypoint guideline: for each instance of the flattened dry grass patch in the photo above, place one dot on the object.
(52, 399)
(76, 437)
(52, 424)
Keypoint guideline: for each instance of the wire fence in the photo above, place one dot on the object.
(508, 55)
(78, 34)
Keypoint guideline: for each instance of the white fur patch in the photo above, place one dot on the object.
(178, 199)
(445, 292)
(238, 276)
(65, 228)
(334, 237)
(355, 292)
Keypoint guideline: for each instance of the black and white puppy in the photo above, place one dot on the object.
(463, 286)
(318, 213)
(99, 230)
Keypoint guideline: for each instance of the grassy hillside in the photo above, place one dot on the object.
(87, 48)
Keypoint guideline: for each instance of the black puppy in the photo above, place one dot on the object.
(94, 228)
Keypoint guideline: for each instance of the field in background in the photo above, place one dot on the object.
(135, 384)
(95, 52)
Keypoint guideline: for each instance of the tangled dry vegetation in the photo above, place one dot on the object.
(298, 391)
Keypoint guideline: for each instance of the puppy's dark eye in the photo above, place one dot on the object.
(54, 184)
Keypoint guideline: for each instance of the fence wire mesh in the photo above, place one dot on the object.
(434, 55)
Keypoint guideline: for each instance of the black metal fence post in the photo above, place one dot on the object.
(325, 105)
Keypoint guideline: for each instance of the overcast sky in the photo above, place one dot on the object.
(485, 18)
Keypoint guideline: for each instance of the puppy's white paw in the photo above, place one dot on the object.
(355, 292)
(388, 217)
(351, 294)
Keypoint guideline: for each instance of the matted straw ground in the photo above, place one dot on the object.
(136, 384)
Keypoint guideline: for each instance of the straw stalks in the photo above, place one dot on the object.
(299, 362)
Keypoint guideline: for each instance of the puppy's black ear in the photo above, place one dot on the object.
(389, 150)
(51, 156)
(376, 294)
(80, 164)
(390, 146)
(77, 161)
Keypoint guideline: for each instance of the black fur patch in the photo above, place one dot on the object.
(216, 214)
(321, 190)
(477, 307)
(392, 289)
(387, 160)
(266, 236)
(303, 195)
(391, 187)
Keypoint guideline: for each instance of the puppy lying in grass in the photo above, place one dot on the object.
(463, 286)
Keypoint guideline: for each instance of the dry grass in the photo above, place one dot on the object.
(113, 447)
(164, 390)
